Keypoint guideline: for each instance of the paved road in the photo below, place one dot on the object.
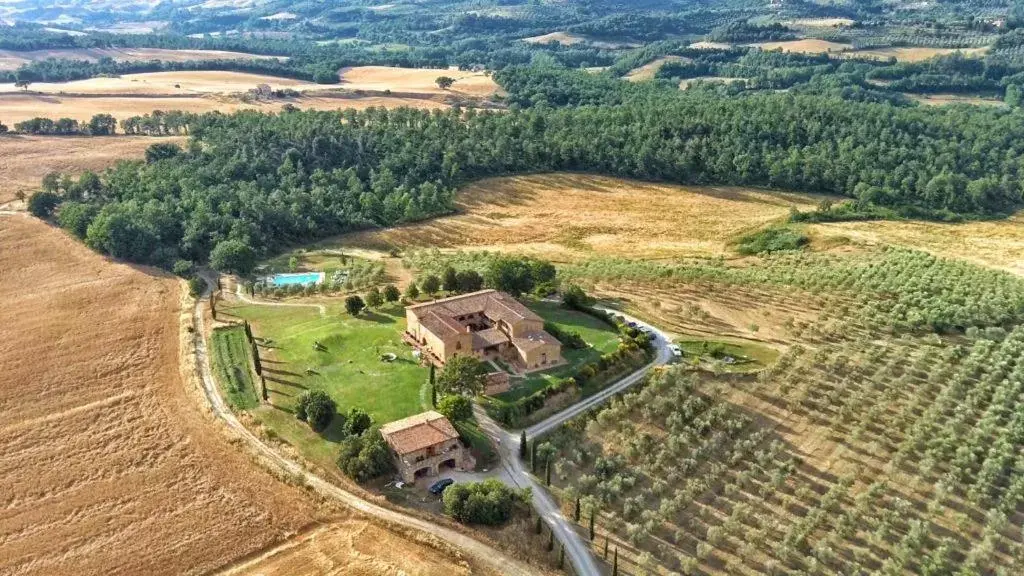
(507, 443)
(485, 554)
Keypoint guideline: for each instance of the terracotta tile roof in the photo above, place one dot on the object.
(493, 304)
(440, 324)
(418, 432)
(489, 337)
(534, 340)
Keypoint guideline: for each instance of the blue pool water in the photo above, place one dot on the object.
(298, 278)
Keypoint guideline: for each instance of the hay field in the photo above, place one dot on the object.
(647, 71)
(109, 465)
(13, 59)
(819, 22)
(24, 160)
(18, 107)
(570, 39)
(352, 547)
(913, 53)
(568, 216)
(944, 99)
(994, 243)
(165, 83)
(416, 80)
(706, 45)
(806, 46)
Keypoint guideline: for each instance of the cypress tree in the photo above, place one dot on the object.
(539, 527)
(263, 383)
(615, 564)
(433, 396)
(547, 471)
(576, 511)
(606, 547)
(522, 445)
(248, 330)
(551, 540)
(213, 306)
(561, 556)
(256, 360)
(591, 524)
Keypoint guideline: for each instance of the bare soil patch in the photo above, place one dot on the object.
(945, 99)
(706, 45)
(416, 80)
(109, 465)
(12, 59)
(567, 216)
(26, 159)
(806, 46)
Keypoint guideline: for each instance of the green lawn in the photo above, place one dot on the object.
(601, 337)
(232, 363)
(748, 356)
(350, 369)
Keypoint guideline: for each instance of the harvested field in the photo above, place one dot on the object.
(566, 216)
(12, 59)
(819, 22)
(26, 159)
(647, 71)
(705, 45)
(913, 53)
(351, 547)
(993, 243)
(416, 80)
(18, 107)
(806, 46)
(569, 39)
(944, 99)
(109, 465)
(168, 83)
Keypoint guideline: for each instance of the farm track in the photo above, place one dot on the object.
(482, 552)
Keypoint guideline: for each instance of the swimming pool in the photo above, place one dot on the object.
(297, 278)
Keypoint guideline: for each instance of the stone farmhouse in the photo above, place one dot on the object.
(424, 444)
(487, 325)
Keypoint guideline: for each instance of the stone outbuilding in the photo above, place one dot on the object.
(425, 445)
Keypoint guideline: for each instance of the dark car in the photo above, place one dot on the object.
(440, 486)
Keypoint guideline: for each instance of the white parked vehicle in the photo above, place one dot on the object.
(676, 350)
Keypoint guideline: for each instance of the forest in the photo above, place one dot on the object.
(276, 180)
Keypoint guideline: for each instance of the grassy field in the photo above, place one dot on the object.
(564, 217)
(232, 360)
(748, 356)
(647, 71)
(806, 46)
(417, 80)
(601, 337)
(350, 370)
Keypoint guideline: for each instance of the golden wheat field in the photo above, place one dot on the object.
(567, 216)
(913, 53)
(647, 71)
(19, 107)
(993, 243)
(109, 464)
(168, 83)
(806, 46)
(416, 80)
(12, 59)
(24, 160)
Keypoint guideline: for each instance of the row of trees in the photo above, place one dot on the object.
(99, 125)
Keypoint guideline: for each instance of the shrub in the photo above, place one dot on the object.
(374, 298)
(774, 239)
(363, 457)
(75, 217)
(489, 502)
(455, 408)
(571, 340)
(462, 375)
(353, 304)
(357, 422)
(42, 204)
(391, 293)
(316, 408)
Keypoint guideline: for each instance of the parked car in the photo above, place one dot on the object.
(676, 350)
(440, 486)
